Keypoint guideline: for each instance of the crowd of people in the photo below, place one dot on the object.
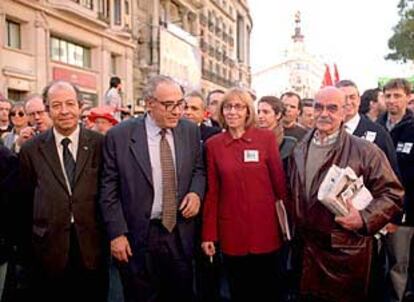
(186, 202)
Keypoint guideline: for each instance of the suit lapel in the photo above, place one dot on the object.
(139, 148)
(84, 150)
(179, 150)
(49, 152)
(359, 130)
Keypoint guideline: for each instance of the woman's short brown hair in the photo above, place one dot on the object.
(244, 96)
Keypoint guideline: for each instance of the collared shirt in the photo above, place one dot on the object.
(73, 148)
(153, 139)
(352, 124)
(390, 125)
(328, 140)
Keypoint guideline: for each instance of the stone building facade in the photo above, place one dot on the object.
(215, 32)
(83, 41)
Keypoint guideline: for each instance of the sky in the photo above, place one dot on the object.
(353, 34)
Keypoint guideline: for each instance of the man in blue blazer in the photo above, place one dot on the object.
(154, 253)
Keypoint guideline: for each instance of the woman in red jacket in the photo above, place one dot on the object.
(245, 178)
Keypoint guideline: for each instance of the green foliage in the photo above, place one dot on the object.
(401, 43)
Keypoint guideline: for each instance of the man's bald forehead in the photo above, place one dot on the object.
(331, 93)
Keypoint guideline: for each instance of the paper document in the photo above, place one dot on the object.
(340, 185)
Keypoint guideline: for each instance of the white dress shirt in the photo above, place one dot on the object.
(352, 124)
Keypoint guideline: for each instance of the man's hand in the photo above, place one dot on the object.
(120, 248)
(352, 221)
(25, 134)
(190, 205)
(208, 248)
(391, 228)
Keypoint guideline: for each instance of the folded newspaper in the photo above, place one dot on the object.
(340, 185)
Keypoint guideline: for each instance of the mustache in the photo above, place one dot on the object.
(324, 120)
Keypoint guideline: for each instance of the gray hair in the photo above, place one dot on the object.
(153, 83)
(63, 84)
(197, 94)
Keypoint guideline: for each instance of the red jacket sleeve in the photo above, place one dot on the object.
(210, 209)
(275, 167)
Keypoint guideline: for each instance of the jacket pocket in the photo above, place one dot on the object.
(342, 239)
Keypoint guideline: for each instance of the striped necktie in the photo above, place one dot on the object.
(169, 203)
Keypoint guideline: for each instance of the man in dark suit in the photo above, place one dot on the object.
(8, 173)
(59, 171)
(152, 185)
(195, 110)
(361, 126)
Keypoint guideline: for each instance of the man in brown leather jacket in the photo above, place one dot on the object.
(337, 251)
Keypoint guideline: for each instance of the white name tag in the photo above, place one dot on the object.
(251, 156)
(407, 148)
(370, 136)
(400, 147)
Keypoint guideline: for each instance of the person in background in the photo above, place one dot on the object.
(306, 117)
(292, 103)
(5, 106)
(39, 119)
(399, 121)
(113, 97)
(269, 116)
(8, 183)
(85, 122)
(245, 179)
(61, 226)
(151, 190)
(337, 250)
(361, 126)
(102, 119)
(410, 105)
(213, 101)
(195, 110)
(19, 121)
(372, 104)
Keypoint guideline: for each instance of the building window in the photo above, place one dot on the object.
(13, 34)
(117, 12)
(126, 4)
(70, 53)
(113, 64)
(103, 10)
(85, 3)
(240, 39)
(16, 95)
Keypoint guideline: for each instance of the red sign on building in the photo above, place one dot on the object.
(75, 77)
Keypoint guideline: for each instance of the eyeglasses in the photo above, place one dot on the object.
(237, 107)
(170, 105)
(14, 113)
(34, 113)
(331, 108)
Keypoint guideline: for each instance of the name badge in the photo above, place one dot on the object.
(370, 136)
(251, 156)
(400, 147)
(407, 148)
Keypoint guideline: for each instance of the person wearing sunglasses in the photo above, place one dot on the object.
(19, 121)
(337, 250)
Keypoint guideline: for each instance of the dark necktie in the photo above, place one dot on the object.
(169, 203)
(68, 161)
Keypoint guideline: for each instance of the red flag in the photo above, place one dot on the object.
(327, 79)
(336, 74)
